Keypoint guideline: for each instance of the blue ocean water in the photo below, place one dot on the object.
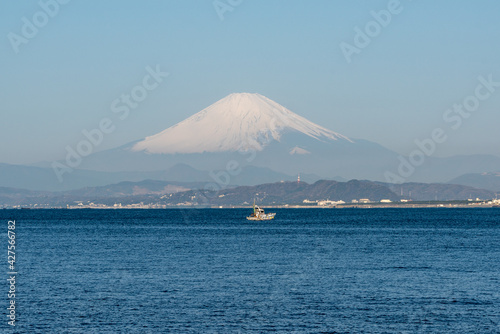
(212, 271)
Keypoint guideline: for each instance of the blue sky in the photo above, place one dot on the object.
(395, 90)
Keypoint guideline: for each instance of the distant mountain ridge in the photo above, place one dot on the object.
(44, 179)
(286, 193)
(489, 181)
(439, 191)
(296, 193)
(175, 193)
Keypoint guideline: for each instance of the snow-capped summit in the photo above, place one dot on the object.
(240, 121)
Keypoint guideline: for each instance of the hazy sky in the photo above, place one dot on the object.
(396, 88)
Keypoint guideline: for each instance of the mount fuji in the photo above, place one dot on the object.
(250, 130)
(246, 129)
(238, 122)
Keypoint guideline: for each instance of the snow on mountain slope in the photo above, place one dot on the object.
(240, 121)
(299, 150)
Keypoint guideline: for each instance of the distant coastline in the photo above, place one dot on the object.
(375, 205)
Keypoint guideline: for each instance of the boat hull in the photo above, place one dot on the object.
(269, 216)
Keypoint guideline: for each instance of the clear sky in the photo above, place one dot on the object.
(396, 89)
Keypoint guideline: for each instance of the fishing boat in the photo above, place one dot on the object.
(259, 214)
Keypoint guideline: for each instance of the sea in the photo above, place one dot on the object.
(433, 270)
